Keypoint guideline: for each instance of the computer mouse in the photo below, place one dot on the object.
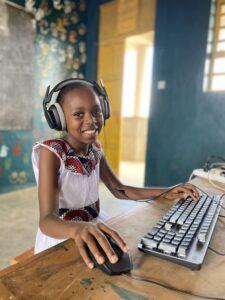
(123, 265)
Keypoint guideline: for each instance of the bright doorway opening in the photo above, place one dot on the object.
(136, 91)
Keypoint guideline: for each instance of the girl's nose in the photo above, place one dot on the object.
(90, 119)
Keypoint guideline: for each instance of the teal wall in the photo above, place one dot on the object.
(60, 52)
(186, 125)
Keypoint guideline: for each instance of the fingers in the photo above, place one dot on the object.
(190, 190)
(93, 237)
(87, 240)
(193, 189)
(95, 249)
(105, 245)
(186, 194)
(115, 235)
(186, 191)
(183, 191)
(81, 247)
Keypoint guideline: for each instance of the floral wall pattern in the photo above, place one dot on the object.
(60, 52)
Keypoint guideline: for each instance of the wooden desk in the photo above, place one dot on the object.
(59, 273)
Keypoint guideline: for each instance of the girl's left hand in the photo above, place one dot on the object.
(183, 191)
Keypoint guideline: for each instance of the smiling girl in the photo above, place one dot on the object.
(68, 170)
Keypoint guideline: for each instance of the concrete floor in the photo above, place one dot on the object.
(19, 212)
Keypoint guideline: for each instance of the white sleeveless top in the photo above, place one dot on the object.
(78, 184)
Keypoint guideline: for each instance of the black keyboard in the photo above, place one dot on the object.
(182, 236)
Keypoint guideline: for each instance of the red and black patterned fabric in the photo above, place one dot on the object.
(76, 163)
(86, 214)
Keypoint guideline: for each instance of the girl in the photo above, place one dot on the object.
(67, 171)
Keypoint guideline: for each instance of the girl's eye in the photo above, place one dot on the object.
(97, 113)
(78, 114)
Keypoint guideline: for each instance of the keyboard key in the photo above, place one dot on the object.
(160, 234)
(150, 236)
(153, 231)
(182, 251)
(163, 231)
(178, 239)
(149, 243)
(166, 240)
(202, 237)
(168, 226)
(157, 238)
(187, 240)
(167, 248)
(175, 242)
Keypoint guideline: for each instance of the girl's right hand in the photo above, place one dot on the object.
(90, 234)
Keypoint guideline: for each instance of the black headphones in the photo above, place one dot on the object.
(54, 113)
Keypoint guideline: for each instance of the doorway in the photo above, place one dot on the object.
(125, 53)
(136, 91)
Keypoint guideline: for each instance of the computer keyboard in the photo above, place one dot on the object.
(182, 236)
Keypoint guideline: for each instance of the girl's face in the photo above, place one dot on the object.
(84, 118)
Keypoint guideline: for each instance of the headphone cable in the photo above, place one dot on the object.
(170, 189)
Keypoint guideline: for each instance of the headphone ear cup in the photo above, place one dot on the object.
(103, 97)
(105, 107)
(57, 116)
(49, 118)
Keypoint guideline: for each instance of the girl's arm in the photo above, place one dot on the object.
(122, 191)
(83, 233)
(49, 222)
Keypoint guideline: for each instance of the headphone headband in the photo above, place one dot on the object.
(53, 113)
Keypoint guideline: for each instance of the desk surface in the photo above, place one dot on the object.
(59, 273)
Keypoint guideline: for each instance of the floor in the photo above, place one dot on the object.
(19, 212)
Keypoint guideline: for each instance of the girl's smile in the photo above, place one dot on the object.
(90, 133)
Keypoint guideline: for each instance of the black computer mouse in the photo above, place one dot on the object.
(123, 265)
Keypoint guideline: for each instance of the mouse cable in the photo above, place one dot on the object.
(158, 196)
(217, 252)
(164, 285)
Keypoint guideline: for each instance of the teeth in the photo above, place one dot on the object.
(89, 131)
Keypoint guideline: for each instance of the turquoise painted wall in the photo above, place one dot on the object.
(60, 52)
(186, 125)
